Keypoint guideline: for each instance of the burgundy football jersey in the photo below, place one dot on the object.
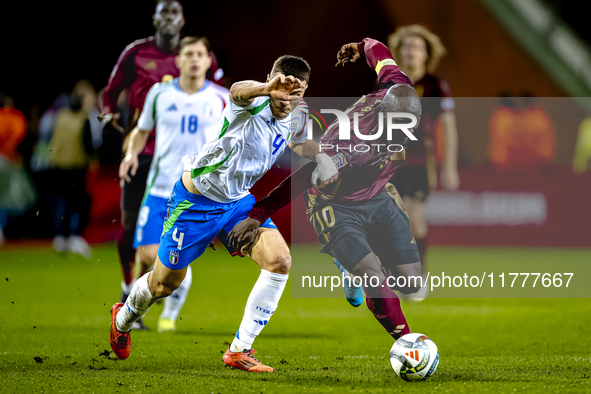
(362, 175)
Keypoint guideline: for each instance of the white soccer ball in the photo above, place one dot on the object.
(414, 357)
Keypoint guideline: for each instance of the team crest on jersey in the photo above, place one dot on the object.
(174, 257)
(339, 160)
(207, 110)
(151, 65)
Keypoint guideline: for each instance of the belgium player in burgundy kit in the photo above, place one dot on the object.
(360, 217)
(418, 52)
(142, 64)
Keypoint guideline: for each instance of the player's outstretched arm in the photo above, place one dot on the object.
(377, 56)
(119, 79)
(139, 135)
(326, 171)
(137, 142)
(245, 232)
(280, 86)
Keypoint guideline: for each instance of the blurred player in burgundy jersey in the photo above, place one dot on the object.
(360, 217)
(142, 64)
(418, 52)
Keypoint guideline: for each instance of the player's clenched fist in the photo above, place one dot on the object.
(349, 53)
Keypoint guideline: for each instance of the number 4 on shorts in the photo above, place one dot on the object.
(179, 239)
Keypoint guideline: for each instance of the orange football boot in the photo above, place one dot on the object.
(120, 341)
(245, 361)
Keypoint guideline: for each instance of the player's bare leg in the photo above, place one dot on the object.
(271, 254)
(381, 300)
(148, 289)
(146, 256)
(173, 304)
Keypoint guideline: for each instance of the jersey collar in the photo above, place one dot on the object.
(175, 83)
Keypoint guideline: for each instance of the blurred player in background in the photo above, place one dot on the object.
(71, 154)
(361, 216)
(213, 195)
(418, 51)
(185, 113)
(142, 64)
(13, 127)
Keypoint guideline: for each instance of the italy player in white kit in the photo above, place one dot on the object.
(185, 112)
(213, 195)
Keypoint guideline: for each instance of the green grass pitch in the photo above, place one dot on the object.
(55, 326)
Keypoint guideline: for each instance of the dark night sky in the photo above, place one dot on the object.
(47, 47)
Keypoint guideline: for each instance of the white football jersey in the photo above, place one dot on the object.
(184, 124)
(250, 140)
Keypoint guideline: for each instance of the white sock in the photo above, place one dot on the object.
(127, 288)
(174, 303)
(139, 301)
(260, 306)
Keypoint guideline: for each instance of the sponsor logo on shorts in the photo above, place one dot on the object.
(174, 257)
(262, 322)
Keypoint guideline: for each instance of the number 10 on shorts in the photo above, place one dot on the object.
(178, 239)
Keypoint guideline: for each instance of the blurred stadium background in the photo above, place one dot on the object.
(511, 50)
(520, 71)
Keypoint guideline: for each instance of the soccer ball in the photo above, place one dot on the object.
(414, 357)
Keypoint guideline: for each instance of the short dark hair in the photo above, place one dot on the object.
(192, 40)
(294, 66)
(402, 98)
(167, 1)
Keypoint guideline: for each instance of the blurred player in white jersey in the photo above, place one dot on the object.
(185, 113)
(213, 195)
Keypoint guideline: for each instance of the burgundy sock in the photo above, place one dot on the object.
(422, 246)
(126, 255)
(385, 306)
